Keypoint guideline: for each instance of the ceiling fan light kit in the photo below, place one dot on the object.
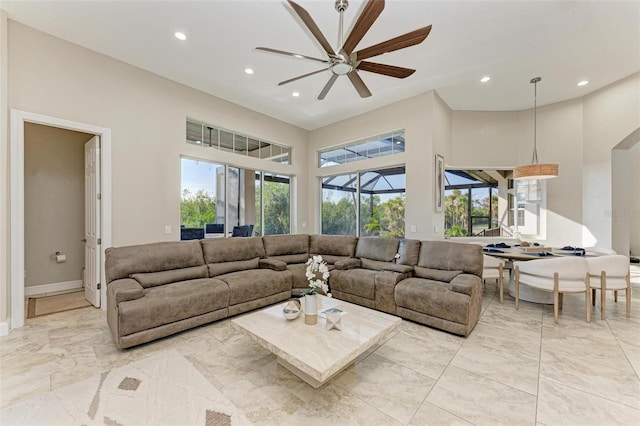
(535, 170)
(343, 60)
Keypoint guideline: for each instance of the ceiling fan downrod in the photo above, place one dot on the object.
(341, 6)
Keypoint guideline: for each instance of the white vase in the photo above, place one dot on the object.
(311, 309)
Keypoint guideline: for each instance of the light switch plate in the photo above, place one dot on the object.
(167, 229)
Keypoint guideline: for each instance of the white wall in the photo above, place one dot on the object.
(146, 114)
(610, 115)
(5, 271)
(578, 134)
(634, 198)
(415, 115)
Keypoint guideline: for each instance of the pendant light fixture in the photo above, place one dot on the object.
(535, 170)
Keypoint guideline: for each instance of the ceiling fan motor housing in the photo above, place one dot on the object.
(341, 5)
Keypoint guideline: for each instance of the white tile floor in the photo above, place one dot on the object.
(516, 368)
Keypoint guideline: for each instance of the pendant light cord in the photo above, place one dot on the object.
(534, 159)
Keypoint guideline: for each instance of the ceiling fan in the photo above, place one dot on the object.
(343, 60)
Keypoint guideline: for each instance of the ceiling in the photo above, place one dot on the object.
(511, 41)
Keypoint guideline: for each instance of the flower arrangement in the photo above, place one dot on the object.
(317, 274)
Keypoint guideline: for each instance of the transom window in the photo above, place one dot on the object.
(376, 146)
(209, 136)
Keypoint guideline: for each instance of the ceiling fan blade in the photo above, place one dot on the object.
(390, 70)
(357, 82)
(369, 14)
(327, 86)
(295, 55)
(301, 76)
(400, 42)
(310, 23)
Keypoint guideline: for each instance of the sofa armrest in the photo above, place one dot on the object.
(385, 287)
(351, 263)
(124, 289)
(275, 264)
(465, 284)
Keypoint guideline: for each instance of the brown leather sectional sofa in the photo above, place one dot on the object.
(158, 289)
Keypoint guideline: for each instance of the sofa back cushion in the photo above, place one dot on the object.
(225, 255)
(218, 250)
(409, 250)
(449, 256)
(152, 279)
(376, 248)
(287, 248)
(333, 248)
(122, 262)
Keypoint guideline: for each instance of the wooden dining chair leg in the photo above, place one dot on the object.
(517, 285)
(593, 296)
(560, 300)
(587, 296)
(501, 283)
(603, 294)
(628, 295)
(555, 297)
(615, 296)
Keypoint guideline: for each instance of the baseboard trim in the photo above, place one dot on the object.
(4, 328)
(36, 290)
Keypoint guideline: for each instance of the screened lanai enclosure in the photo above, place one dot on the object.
(472, 206)
(368, 203)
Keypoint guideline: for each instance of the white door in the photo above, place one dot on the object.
(92, 221)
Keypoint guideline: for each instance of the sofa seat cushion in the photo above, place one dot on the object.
(245, 286)
(172, 302)
(359, 282)
(433, 298)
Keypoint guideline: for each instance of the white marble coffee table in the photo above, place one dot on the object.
(311, 352)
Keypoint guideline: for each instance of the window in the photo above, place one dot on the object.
(208, 136)
(202, 193)
(471, 206)
(526, 201)
(382, 200)
(212, 192)
(277, 204)
(377, 146)
(339, 203)
(366, 203)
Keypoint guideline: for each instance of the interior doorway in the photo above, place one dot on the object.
(17, 227)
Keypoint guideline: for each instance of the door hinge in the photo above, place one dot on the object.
(99, 196)
(99, 286)
(99, 241)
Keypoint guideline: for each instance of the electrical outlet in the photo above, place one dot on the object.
(167, 229)
(414, 228)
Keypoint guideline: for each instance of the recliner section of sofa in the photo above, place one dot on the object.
(446, 290)
(158, 289)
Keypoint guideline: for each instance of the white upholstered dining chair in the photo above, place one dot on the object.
(493, 268)
(558, 275)
(610, 273)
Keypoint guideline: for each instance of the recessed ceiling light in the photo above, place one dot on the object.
(295, 94)
(583, 83)
(485, 79)
(180, 36)
(248, 71)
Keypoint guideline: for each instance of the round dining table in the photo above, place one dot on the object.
(518, 253)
